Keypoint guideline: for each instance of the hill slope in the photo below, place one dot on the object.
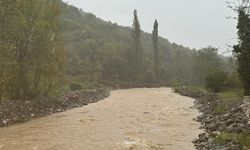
(98, 51)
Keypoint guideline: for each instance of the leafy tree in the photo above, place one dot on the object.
(156, 48)
(33, 48)
(7, 18)
(216, 81)
(242, 50)
(205, 61)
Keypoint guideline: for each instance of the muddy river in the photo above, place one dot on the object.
(133, 119)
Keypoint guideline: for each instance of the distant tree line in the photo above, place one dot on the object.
(104, 53)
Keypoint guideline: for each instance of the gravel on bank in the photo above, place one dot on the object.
(219, 126)
(12, 112)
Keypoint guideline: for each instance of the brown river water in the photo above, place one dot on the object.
(133, 119)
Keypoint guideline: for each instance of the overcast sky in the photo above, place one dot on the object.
(192, 23)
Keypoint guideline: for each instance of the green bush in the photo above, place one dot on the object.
(224, 138)
(244, 139)
(234, 81)
(175, 84)
(216, 81)
(75, 86)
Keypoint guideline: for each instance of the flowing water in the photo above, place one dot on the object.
(133, 119)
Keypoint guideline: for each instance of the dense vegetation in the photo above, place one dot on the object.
(31, 52)
(101, 52)
(43, 42)
(242, 50)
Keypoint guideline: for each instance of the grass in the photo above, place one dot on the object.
(225, 137)
(231, 95)
(243, 138)
(228, 99)
(197, 89)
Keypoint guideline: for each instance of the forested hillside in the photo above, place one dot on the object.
(100, 51)
(48, 47)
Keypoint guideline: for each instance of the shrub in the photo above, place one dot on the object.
(75, 86)
(244, 139)
(224, 137)
(175, 84)
(234, 81)
(216, 81)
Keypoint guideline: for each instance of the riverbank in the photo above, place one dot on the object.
(17, 111)
(13, 112)
(225, 120)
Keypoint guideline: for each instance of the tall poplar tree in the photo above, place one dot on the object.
(137, 57)
(155, 38)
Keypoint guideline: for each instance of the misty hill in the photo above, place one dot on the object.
(97, 51)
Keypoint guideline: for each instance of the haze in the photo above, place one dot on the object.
(192, 23)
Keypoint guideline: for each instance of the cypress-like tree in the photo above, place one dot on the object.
(242, 50)
(156, 49)
(137, 59)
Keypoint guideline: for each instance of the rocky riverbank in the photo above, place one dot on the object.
(12, 112)
(228, 130)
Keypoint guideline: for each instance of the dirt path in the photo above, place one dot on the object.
(134, 119)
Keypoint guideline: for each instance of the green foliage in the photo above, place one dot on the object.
(216, 81)
(75, 86)
(31, 52)
(231, 95)
(228, 99)
(205, 61)
(197, 89)
(98, 52)
(175, 84)
(224, 137)
(244, 139)
(155, 37)
(136, 59)
(220, 109)
(242, 50)
(233, 81)
(104, 52)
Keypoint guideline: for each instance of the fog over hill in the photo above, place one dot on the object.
(183, 22)
(101, 50)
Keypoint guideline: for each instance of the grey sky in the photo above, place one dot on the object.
(192, 23)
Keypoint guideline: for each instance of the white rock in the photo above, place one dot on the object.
(4, 121)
